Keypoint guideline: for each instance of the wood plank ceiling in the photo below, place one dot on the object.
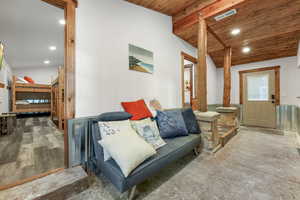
(270, 28)
(168, 7)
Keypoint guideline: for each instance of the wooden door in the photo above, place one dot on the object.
(259, 99)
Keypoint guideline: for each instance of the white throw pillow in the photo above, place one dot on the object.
(128, 150)
(149, 131)
(112, 128)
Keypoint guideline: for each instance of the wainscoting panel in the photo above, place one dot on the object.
(78, 140)
(288, 116)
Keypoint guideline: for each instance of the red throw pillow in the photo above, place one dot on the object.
(29, 79)
(137, 109)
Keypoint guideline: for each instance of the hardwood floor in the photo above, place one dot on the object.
(35, 147)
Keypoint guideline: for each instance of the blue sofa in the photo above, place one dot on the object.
(175, 149)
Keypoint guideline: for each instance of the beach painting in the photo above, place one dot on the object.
(140, 59)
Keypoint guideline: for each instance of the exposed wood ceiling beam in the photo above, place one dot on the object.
(61, 3)
(216, 36)
(208, 11)
(194, 7)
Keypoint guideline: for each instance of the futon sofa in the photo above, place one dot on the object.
(175, 149)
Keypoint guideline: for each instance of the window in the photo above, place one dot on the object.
(258, 87)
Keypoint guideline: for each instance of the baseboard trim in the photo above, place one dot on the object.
(20, 182)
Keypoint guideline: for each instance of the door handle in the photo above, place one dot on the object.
(273, 96)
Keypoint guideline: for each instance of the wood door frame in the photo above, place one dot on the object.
(277, 82)
(69, 7)
(190, 67)
(185, 56)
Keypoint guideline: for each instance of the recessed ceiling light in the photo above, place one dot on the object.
(47, 62)
(235, 31)
(52, 48)
(62, 21)
(246, 49)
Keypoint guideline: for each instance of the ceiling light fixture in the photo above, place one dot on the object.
(47, 62)
(235, 31)
(62, 21)
(246, 49)
(52, 48)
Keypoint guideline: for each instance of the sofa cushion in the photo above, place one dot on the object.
(113, 116)
(138, 109)
(171, 123)
(190, 121)
(128, 157)
(173, 150)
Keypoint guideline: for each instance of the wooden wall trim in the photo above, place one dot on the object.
(182, 79)
(259, 69)
(185, 56)
(61, 3)
(217, 37)
(277, 81)
(5, 187)
(69, 7)
(189, 57)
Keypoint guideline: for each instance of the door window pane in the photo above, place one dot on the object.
(258, 87)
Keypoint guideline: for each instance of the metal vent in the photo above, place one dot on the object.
(226, 14)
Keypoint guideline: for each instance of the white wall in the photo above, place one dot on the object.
(104, 29)
(289, 79)
(41, 75)
(5, 77)
(212, 82)
(298, 55)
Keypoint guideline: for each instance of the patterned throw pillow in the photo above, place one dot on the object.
(112, 128)
(149, 131)
(171, 124)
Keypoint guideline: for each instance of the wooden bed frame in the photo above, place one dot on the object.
(57, 99)
(26, 91)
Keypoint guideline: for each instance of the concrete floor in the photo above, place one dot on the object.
(35, 147)
(254, 165)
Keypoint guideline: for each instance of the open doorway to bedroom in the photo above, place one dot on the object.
(32, 103)
(188, 80)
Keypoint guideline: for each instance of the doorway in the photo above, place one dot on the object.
(188, 90)
(260, 96)
(38, 146)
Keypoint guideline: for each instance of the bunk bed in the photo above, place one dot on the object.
(57, 100)
(30, 98)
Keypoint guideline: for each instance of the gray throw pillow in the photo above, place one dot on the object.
(190, 120)
(171, 124)
(113, 116)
